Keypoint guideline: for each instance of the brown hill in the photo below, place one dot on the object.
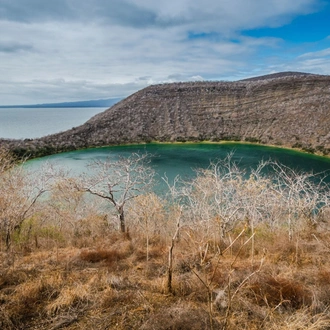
(289, 109)
(277, 75)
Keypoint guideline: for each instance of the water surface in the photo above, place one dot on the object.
(182, 159)
(22, 123)
(169, 159)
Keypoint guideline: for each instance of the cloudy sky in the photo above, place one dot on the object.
(68, 50)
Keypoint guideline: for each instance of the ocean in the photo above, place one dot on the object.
(22, 123)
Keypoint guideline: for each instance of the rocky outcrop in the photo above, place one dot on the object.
(292, 110)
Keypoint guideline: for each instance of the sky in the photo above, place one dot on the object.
(71, 50)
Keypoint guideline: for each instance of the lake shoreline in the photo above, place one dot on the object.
(289, 112)
(26, 155)
(205, 142)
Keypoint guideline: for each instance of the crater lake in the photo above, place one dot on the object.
(167, 159)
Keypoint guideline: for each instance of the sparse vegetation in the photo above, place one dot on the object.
(244, 250)
(284, 110)
(119, 182)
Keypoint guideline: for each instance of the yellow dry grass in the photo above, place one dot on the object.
(112, 285)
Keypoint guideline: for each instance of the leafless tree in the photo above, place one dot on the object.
(223, 196)
(148, 217)
(21, 188)
(302, 195)
(119, 181)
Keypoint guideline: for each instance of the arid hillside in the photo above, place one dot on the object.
(289, 109)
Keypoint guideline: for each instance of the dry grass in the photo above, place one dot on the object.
(275, 292)
(111, 284)
(108, 256)
(236, 260)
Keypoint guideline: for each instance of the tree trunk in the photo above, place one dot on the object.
(122, 220)
(8, 240)
(169, 288)
(8, 234)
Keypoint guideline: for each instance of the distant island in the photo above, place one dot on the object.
(102, 103)
(289, 109)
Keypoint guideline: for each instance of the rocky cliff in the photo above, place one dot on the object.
(287, 109)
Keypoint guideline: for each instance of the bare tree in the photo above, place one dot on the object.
(223, 197)
(302, 194)
(120, 181)
(21, 188)
(148, 215)
(72, 212)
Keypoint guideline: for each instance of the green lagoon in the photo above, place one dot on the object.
(170, 159)
(182, 159)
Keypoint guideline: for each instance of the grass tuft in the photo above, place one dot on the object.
(276, 292)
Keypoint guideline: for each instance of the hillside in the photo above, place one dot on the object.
(277, 75)
(289, 109)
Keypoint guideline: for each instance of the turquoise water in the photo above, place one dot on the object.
(172, 159)
(169, 159)
(182, 159)
(21, 123)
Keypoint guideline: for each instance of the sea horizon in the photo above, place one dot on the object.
(30, 123)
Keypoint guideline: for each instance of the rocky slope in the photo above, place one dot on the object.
(289, 109)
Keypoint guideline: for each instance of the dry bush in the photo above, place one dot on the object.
(182, 316)
(301, 319)
(13, 277)
(154, 252)
(68, 297)
(117, 246)
(7, 160)
(323, 276)
(276, 292)
(37, 232)
(147, 215)
(188, 285)
(109, 256)
(322, 289)
(28, 300)
(222, 198)
(112, 297)
(21, 197)
(80, 220)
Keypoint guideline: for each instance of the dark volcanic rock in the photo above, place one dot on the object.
(284, 109)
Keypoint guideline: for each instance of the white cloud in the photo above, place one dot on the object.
(70, 49)
(321, 53)
(319, 62)
(228, 15)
